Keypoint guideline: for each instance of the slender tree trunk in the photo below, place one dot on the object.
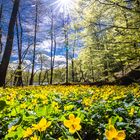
(46, 76)
(41, 69)
(40, 75)
(67, 49)
(54, 50)
(91, 64)
(54, 56)
(18, 74)
(92, 73)
(106, 73)
(34, 51)
(9, 44)
(52, 45)
(73, 55)
(28, 76)
(67, 59)
(72, 63)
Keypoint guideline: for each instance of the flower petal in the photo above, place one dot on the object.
(121, 135)
(113, 131)
(67, 123)
(42, 122)
(108, 135)
(48, 124)
(77, 120)
(71, 117)
(72, 130)
(78, 127)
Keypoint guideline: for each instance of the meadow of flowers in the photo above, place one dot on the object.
(70, 113)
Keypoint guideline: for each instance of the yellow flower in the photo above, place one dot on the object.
(45, 101)
(34, 101)
(73, 123)
(131, 113)
(121, 135)
(35, 138)
(23, 106)
(113, 134)
(87, 101)
(27, 133)
(42, 125)
(55, 106)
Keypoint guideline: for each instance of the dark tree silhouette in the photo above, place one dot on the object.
(9, 43)
(34, 49)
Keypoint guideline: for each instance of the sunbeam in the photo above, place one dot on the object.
(64, 6)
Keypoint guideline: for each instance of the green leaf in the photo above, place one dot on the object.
(13, 112)
(71, 138)
(2, 105)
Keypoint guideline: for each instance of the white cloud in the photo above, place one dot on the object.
(44, 46)
(60, 58)
(60, 40)
(26, 62)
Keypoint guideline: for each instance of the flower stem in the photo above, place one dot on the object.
(79, 135)
(41, 135)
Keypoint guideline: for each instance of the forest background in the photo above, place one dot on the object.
(73, 41)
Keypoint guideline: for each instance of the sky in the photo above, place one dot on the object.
(43, 35)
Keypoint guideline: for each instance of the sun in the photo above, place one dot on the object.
(64, 6)
(65, 2)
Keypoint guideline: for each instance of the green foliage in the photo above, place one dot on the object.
(111, 33)
(96, 107)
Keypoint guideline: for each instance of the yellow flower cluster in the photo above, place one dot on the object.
(113, 134)
(131, 113)
(28, 132)
(73, 123)
(87, 101)
(41, 126)
(35, 138)
(55, 106)
(52, 101)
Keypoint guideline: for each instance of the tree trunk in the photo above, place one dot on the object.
(18, 74)
(67, 49)
(18, 77)
(9, 44)
(41, 69)
(52, 45)
(34, 51)
(73, 56)
(46, 76)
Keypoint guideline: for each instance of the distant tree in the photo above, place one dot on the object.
(66, 43)
(35, 42)
(110, 36)
(52, 44)
(18, 73)
(75, 39)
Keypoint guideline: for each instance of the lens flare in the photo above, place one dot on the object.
(64, 6)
